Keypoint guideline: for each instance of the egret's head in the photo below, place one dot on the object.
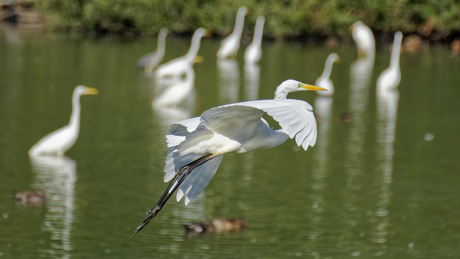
(202, 32)
(290, 85)
(242, 10)
(163, 32)
(83, 90)
(355, 25)
(335, 58)
(91, 91)
(208, 33)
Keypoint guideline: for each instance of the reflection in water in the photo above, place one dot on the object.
(170, 115)
(322, 108)
(229, 80)
(194, 211)
(387, 104)
(177, 92)
(361, 72)
(11, 35)
(56, 176)
(251, 74)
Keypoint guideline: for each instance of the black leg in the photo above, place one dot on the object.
(180, 176)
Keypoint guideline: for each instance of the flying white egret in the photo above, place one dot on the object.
(253, 52)
(324, 81)
(389, 79)
(60, 140)
(151, 60)
(199, 144)
(178, 66)
(230, 45)
(175, 94)
(364, 39)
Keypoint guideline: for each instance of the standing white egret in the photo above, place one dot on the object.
(151, 60)
(389, 79)
(324, 81)
(175, 94)
(178, 66)
(230, 45)
(199, 144)
(253, 52)
(364, 39)
(60, 140)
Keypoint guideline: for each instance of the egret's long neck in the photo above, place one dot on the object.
(161, 44)
(328, 68)
(280, 94)
(190, 77)
(75, 117)
(258, 33)
(193, 51)
(394, 62)
(238, 25)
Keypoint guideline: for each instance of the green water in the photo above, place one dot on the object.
(384, 185)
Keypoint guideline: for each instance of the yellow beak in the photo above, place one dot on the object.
(313, 88)
(198, 59)
(92, 91)
(350, 29)
(338, 60)
(208, 33)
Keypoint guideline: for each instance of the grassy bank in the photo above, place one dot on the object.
(435, 20)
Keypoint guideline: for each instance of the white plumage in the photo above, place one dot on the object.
(199, 144)
(60, 140)
(151, 60)
(364, 39)
(253, 52)
(324, 80)
(230, 45)
(175, 94)
(177, 67)
(390, 78)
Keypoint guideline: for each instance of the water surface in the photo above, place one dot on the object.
(384, 184)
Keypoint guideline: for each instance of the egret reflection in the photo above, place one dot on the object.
(179, 91)
(252, 77)
(229, 80)
(387, 105)
(56, 176)
(361, 72)
(169, 115)
(322, 108)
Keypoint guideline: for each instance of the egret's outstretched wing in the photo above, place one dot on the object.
(237, 122)
(179, 130)
(195, 183)
(295, 117)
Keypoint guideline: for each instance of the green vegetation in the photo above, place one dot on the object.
(434, 19)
